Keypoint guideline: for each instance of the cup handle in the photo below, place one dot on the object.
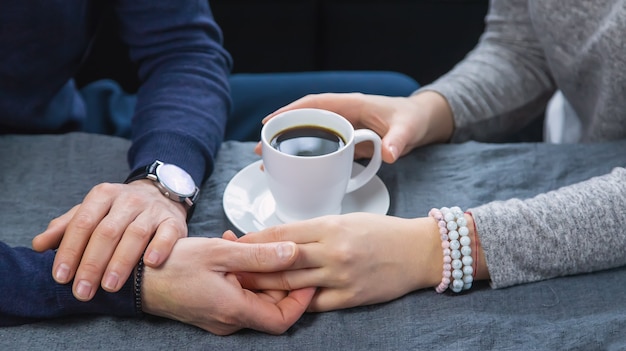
(361, 135)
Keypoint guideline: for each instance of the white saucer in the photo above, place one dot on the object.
(249, 205)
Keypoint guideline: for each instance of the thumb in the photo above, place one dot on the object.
(258, 149)
(263, 257)
(394, 144)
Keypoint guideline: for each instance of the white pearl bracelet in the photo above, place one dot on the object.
(457, 252)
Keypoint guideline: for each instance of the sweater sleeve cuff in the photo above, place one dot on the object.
(121, 303)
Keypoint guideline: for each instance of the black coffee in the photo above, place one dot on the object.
(307, 141)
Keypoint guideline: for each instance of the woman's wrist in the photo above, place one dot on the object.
(427, 256)
(439, 117)
(451, 236)
(480, 265)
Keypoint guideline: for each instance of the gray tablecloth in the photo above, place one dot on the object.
(43, 176)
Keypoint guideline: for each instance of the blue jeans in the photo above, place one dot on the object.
(254, 96)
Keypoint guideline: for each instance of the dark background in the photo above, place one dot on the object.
(421, 38)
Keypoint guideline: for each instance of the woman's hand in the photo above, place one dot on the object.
(355, 259)
(404, 123)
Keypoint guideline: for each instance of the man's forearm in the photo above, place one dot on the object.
(29, 293)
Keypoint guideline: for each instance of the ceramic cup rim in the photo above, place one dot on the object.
(286, 120)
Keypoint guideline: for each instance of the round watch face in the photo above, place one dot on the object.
(176, 179)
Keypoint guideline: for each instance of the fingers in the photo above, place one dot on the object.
(167, 233)
(272, 295)
(307, 235)
(299, 232)
(110, 230)
(308, 269)
(344, 104)
(394, 118)
(363, 111)
(238, 257)
(277, 318)
(332, 299)
(78, 232)
(51, 237)
(285, 280)
(229, 235)
(107, 259)
(128, 251)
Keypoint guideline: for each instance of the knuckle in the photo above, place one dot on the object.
(285, 283)
(108, 230)
(68, 254)
(104, 188)
(172, 230)
(89, 267)
(138, 231)
(344, 252)
(83, 221)
(259, 255)
(343, 278)
(277, 233)
(343, 255)
(124, 261)
(134, 201)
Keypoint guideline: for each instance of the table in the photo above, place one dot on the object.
(44, 175)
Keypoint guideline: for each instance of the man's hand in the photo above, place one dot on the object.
(100, 240)
(196, 286)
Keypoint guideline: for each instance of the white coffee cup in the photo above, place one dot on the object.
(308, 186)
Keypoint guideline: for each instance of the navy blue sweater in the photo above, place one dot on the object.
(30, 294)
(183, 99)
(180, 117)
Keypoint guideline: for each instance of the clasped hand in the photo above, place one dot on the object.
(196, 286)
(189, 279)
(354, 259)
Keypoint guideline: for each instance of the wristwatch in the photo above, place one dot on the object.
(172, 181)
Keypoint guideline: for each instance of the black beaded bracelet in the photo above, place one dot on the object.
(138, 276)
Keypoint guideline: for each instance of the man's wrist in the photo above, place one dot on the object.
(137, 286)
(172, 181)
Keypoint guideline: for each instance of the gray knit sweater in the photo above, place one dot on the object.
(529, 49)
